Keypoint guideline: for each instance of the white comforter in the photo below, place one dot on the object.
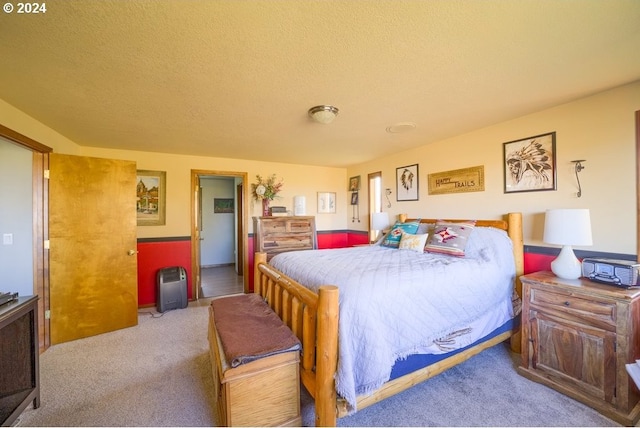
(394, 303)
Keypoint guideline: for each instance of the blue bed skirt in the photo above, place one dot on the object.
(419, 361)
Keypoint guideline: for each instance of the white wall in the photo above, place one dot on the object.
(600, 129)
(217, 245)
(16, 219)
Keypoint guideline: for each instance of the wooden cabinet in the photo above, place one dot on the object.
(275, 235)
(577, 336)
(263, 392)
(19, 371)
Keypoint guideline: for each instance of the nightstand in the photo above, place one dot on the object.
(577, 336)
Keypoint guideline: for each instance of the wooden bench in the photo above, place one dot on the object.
(255, 369)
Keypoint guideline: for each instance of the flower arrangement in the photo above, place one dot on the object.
(266, 188)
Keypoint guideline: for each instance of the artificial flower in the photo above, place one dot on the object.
(266, 188)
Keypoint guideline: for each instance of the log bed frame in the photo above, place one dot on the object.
(314, 319)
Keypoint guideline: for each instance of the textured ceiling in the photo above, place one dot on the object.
(234, 79)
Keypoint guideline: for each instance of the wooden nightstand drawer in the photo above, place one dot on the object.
(602, 314)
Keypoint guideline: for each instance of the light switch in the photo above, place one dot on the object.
(7, 239)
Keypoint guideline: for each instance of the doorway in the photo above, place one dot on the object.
(218, 238)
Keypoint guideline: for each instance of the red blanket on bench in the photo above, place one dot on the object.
(249, 329)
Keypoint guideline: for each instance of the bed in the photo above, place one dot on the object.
(325, 312)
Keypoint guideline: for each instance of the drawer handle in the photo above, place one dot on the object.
(566, 303)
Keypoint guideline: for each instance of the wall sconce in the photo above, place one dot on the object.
(323, 114)
(387, 192)
(578, 168)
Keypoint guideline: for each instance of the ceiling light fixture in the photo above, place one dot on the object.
(401, 127)
(323, 114)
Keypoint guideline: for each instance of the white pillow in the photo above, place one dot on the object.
(413, 242)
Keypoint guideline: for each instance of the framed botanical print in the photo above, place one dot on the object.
(407, 183)
(150, 198)
(326, 202)
(530, 164)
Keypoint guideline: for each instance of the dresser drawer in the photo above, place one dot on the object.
(276, 227)
(300, 226)
(600, 313)
(276, 235)
(298, 242)
(269, 227)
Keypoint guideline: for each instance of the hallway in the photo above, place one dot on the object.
(220, 281)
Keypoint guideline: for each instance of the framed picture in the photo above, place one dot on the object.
(326, 202)
(222, 205)
(354, 198)
(530, 164)
(354, 183)
(407, 183)
(150, 197)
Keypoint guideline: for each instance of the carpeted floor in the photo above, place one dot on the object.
(158, 374)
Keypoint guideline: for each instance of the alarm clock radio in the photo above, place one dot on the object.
(622, 273)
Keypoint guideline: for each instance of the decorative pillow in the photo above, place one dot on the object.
(413, 242)
(450, 238)
(392, 239)
(424, 228)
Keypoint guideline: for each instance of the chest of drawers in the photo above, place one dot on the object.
(275, 235)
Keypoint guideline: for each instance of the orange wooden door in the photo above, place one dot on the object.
(196, 267)
(92, 256)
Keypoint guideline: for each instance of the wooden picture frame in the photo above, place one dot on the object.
(326, 202)
(407, 183)
(354, 183)
(354, 198)
(151, 197)
(456, 181)
(223, 205)
(530, 164)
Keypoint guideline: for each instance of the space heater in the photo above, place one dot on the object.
(172, 288)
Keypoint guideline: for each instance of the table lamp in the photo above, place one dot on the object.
(567, 227)
(379, 222)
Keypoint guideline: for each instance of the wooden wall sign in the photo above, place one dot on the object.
(457, 181)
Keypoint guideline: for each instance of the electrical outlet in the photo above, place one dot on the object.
(7, 239)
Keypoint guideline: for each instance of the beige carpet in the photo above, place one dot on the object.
(158, 374)
(154, 374)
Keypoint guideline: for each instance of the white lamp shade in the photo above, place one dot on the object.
(299, 205)
(567, 227)
(379, 221)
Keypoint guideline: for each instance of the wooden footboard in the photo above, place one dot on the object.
(314, 320)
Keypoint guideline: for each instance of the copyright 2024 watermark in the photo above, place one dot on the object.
(25, 8)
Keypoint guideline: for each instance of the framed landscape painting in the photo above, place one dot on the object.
(223, 205)
(150, 198)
